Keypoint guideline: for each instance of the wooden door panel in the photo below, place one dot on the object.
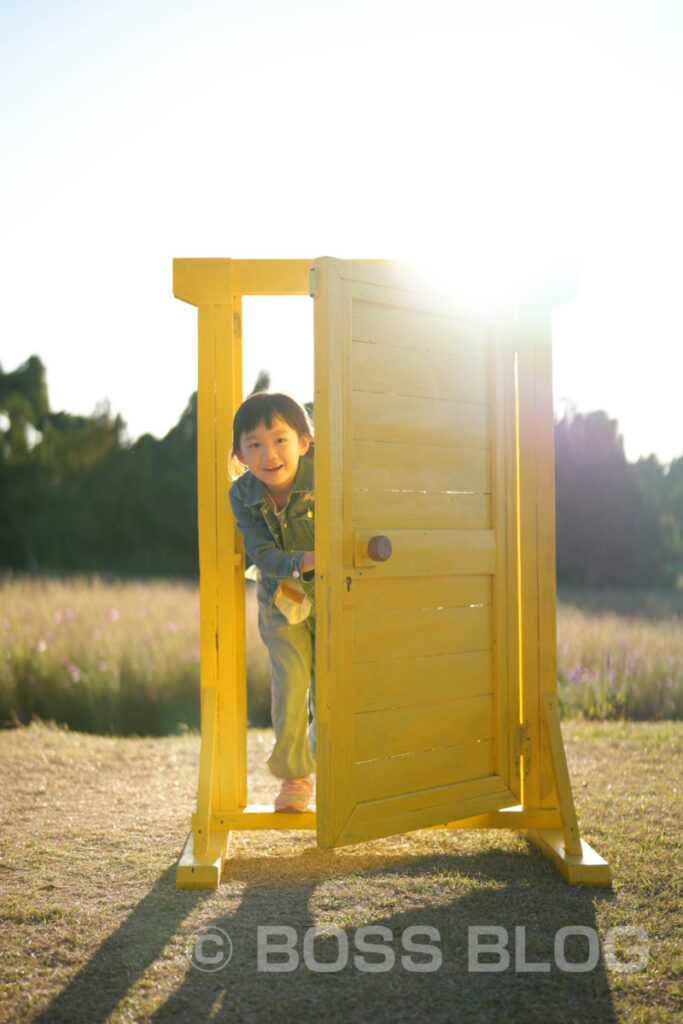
(399, 418)
(391, 684)
(384, 466)
(440, 510)
(442, 376)
(428, 552)
(409, 649)
(394, 731)
(420, 632)
(417, 329)
(424, 769)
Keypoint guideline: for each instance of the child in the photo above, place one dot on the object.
(273, 503)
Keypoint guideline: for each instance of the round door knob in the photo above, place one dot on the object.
(379, 549)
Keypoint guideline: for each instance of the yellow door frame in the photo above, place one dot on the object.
(216, 288)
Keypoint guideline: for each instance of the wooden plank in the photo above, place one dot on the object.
(271, 277)
(239, 609)
(438, 375)
(403, 419)
(511, 598)
(548, 763)
(427, 552)
(405, 730)
(585, 868)
(418, 330)
(505, 711)
(424, 769)
(421, 592)
(202, 871)
(434, 807)
(528, 562)
(419, 632)
(207, 760)
(230, 773)
(404, 683)
(202, 282)
(433, 510)
(381, 466)
(510, 818)
(333, 712)
(262, 816)
(572, 839)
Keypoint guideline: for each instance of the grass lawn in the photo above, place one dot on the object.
(94, 930)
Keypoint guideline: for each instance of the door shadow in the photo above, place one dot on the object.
(452, 979)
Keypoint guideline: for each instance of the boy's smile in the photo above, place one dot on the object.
(272, 455)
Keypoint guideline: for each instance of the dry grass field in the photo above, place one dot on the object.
(123, 657)
(94, 930)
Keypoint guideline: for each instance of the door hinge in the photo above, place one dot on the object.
(523, 747)
(312, 281)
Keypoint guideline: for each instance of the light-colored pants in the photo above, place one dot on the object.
(291, 651)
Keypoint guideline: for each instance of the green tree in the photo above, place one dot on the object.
(608, 530)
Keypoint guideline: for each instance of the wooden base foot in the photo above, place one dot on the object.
(586, 869)
(196, 871)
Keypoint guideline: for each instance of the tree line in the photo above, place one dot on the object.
(76, 496)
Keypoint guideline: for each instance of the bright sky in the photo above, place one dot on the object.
(483, 136)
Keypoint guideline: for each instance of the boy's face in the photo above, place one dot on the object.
(273, 455)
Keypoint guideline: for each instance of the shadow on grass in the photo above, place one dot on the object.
(455, 891)
(94, 992)
(501, 890)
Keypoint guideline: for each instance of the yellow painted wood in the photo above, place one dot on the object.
(505, 705)
(422, 592)
(231, 753)
(417, 801)
(390, 817)
(413, 467)
(586, 868)
(392, 684)
(207, 761)
(334, 755)
(433, 510)
(260, 816)
(528, 562)
(509, 818)
(202, 871)
(549, 767)
(271, 277)
(430, 552)
(416, 329)
(403, 443)
(434, 428)
(236, 598)
(424, 769)
(405, 419)
(437, 375)
(394, 731)
(570, 825)
(420, 632)
(202, 282)
(510, 612)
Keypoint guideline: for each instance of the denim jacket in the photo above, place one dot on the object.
(276, 545)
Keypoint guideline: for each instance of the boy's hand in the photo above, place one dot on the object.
(308, 562)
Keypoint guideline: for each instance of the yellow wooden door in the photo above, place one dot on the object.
(417, 688)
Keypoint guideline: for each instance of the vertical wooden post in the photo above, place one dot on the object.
(527, 507)
(207, 284)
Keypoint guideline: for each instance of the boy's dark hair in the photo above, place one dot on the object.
(262, 407)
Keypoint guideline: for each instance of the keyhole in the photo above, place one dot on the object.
(348, 583)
